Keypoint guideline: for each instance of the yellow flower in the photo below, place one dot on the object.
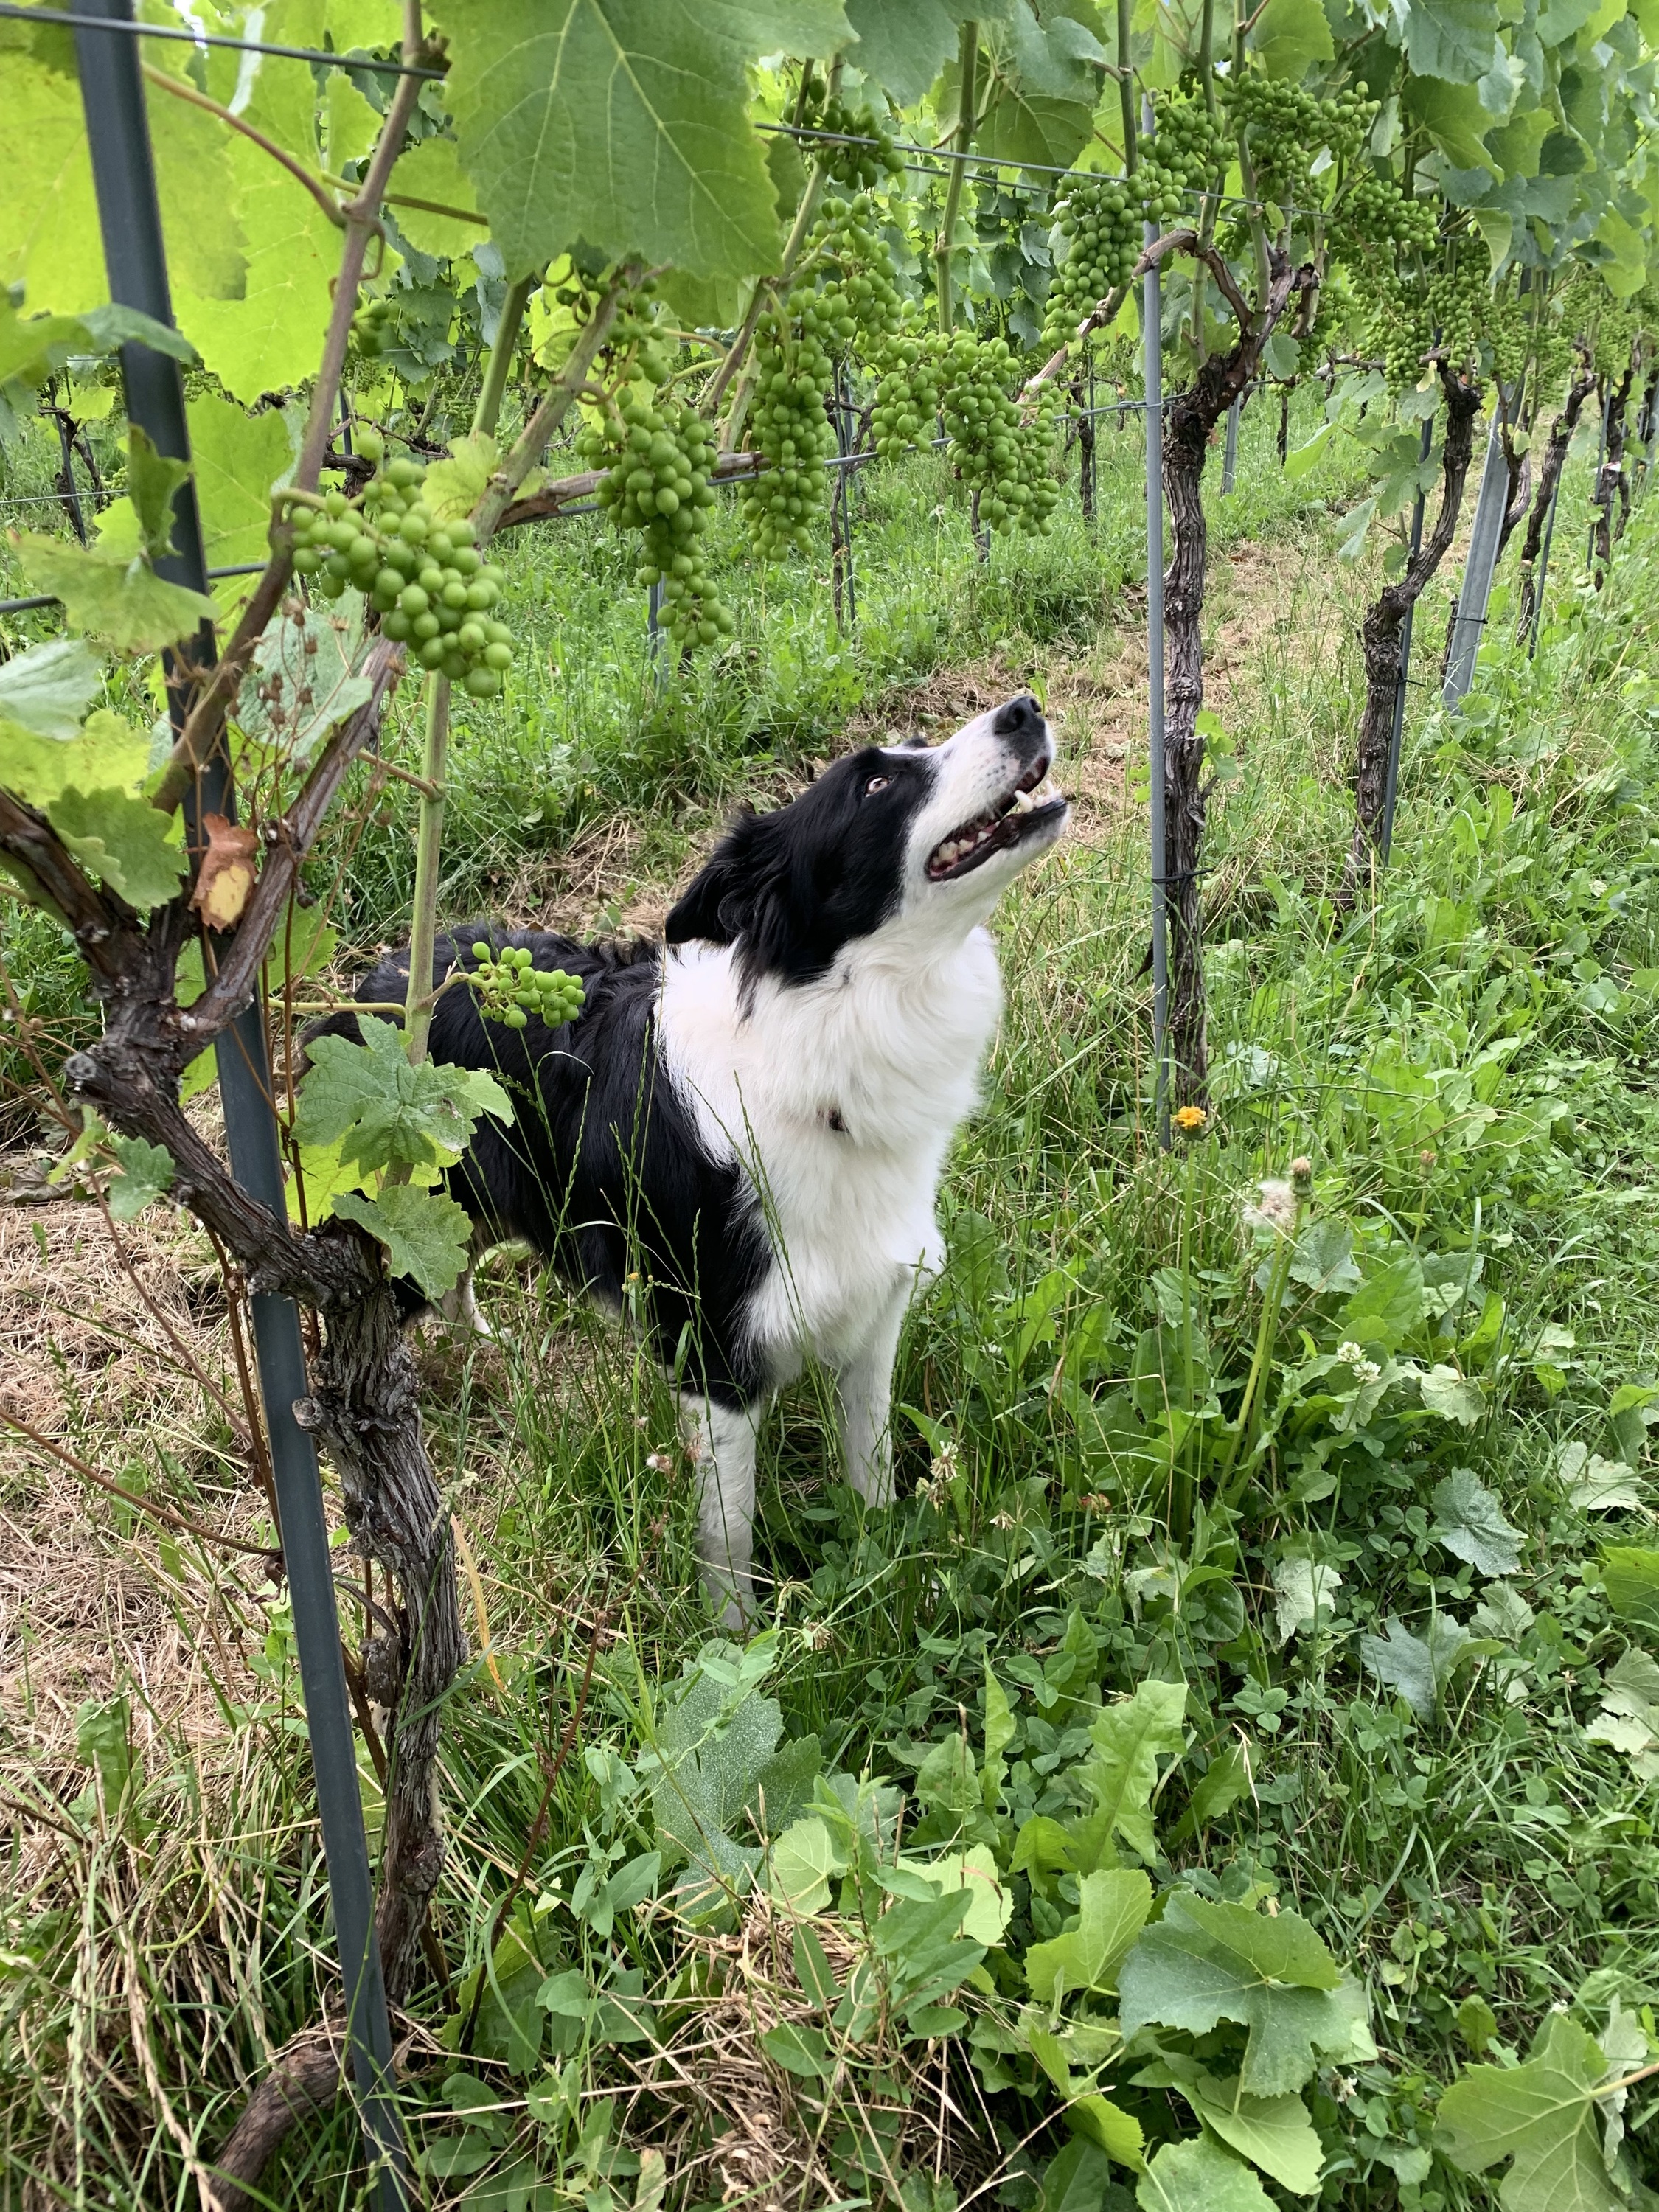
(1189, 1120)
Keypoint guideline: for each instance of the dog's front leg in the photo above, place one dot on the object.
(864, 1389)
(722, 1441)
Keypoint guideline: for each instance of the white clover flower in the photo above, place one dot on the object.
(1364, 1371)
(1277, 1209)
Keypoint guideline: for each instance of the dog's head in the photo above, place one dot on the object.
(923, 838)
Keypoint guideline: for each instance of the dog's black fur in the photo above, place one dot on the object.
(601, 1172)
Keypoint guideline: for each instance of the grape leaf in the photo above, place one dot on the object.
(123, 841)
(121, 601)
(426, 1235)
(387, 1112)
(239, 459)
(48, 689)
(1112, 1908)
(1122, 1769)
(623, 122)
(53, 246)
(310, 658)
(1418, 1668)
(351, 124)
(1204, 1962)
(195, 185)
(453, 488)
(106, 753)
(146, 1172)
(432, 171)
(1288, 34)
(1542, 2116)
(1453, 116)
(903, 44)
(152, 479)
(1470, 1522)
(1452, 39)
(1199, 2176)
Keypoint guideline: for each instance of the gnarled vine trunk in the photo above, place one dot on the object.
(1549, 477)
(1380, 632)
(1193, 416)
(1610, 484)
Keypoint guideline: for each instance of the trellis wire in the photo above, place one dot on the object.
(194, 37)
(1151, 319)
(124, 179)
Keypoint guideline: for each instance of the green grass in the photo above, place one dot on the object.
(1467, 1062)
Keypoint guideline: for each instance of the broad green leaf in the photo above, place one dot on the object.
(1040, 100)
(1452, 39)
(1469, 1521)
(1324, 1258)
(1109, 2128)
(1290, 34)
(1389, 1305)
(237, 459)
(1301, 460)
(124, 602)
(1128, 1739)
(1448, 1394)
(152, 479)
(432, 172)
(123, 841)
(271, 338)
(948, 1779)
(1419, 1668)
(903, 44)
(1204, 1962)
(146, 1173)
(1275, 2133)
(352, 124)
(426, 1235)
(799, 2049)
(1630, 1577)
(1452, 114)
(35, 347)
(1353, 529)
(1112, 1908)
(805, 1860)
(991, 1902)
(1076, 2179)
(624, 123)
(50, 241)
(1199, 2176)
(1305, 1595)
(105, 754)
(1540, 2114)
(1595, 1484)
(47, 689)
(310, 660)
(387, 1112)
(453, 488)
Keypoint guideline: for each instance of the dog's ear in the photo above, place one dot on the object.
(716, 908)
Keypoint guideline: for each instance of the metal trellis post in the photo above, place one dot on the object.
(1151, 319)
(1391, 784)
(1491, 503)
(1229, 452)
(129, 219)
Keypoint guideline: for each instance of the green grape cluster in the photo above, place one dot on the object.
(371, 326)
(432, 586)
(855, 296)
(658, 461)
(793, 376)
(1285, 128)
(1395, 329)
(510, 990)
(856, 168)
(1100, 221)
(1187, 149)
(906, 406)
(1003, 457)
(1373, 215)
(1458, 304)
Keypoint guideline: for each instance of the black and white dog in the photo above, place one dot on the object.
(755, 1114)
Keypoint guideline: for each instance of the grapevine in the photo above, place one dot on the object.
(907, 395)
(432, 587)
(659, 459)
(854, 168)
(1180, 159)
(510, 990)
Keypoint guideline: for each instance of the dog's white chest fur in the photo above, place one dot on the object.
(840, 1098)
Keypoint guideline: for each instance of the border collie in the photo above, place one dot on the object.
(755, 1114)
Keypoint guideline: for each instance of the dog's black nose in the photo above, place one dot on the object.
(1019, 718)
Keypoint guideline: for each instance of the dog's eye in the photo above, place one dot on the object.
(876, 783)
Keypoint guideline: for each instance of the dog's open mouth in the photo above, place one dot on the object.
(1032, 803)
